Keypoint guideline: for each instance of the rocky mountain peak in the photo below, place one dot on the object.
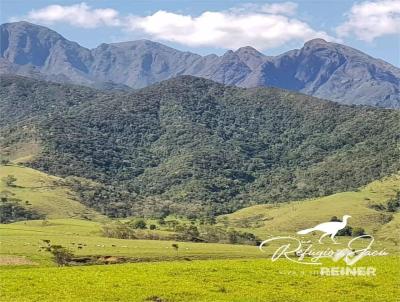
(324, 69)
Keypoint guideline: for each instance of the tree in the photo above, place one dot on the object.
(241, 237)
(172, 224)
(118, 230)
(346, 231)
(393, 204)
(4, 162)
(211, 220)
(188, 233)
(175, 246)
(9, 180)
(225, 221)
(153, 227)
(61, 255)
(357, 231)
(138, 224)
(11, 210)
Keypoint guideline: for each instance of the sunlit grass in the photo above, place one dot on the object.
(212, 280)
(38, 191)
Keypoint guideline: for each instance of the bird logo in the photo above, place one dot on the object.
(328, 228)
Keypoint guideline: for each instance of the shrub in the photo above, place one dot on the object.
(346, 231)
(377, 207)
(188, 233)
(61, 255)
(9, 180)
(4, 162)
(357, 231)
(138, 224)
(118, 230)
(11, 211)
(175, 246)
(241, 237)
(393, 205)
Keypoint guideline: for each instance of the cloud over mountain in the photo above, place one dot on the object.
(227, 29)
(262, 26)
(80, 15)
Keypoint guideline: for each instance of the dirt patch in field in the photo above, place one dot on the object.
(98, 260)
(14, 260)
(102, 259)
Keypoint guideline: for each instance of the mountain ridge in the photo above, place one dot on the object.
(322, 69)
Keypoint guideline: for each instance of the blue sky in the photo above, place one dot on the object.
(214, 26)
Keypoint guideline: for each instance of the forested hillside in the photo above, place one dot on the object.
(191, 145)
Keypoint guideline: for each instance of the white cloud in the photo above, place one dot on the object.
(372, 19)
(226, 29)
(284, 8)
(80, 15)
(259, 25)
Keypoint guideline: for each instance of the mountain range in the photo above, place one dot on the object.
(326, 70)
(191, 145)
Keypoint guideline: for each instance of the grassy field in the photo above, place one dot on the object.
(172, 276)
(43, 195)
(23, 239)
(209, 280)
(197, 271)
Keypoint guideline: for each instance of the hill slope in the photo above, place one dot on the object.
(366, 206)
(193, 140)
(327, 70)
(42, 193)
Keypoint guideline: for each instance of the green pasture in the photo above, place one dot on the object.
(24, 239)
(209, 280)
(196, 271)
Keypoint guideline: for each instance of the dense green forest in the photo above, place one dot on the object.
(192, 146)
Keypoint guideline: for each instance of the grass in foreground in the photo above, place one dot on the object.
(212, 280)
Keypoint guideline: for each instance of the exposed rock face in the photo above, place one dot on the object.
(327, 70)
